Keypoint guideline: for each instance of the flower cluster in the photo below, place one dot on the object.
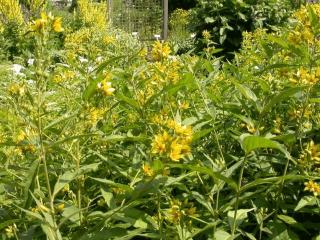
(174, 146)
(179, 210)
(92, 14)
(306, 77)
(310, 157)
(47, 22)
(313, 187)
(10, 11)
(160, 51)
(105, 86)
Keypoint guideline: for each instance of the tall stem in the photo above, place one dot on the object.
(41, 87)
(237, 197)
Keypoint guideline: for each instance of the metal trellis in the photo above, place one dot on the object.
(148, 19)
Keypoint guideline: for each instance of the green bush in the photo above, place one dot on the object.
(227, 19)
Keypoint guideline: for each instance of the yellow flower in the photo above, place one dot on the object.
(206, 34)
(106, 88)
(20, 137)
(173, 77)
(95, 115)
(160, 142)
(174, 213)
(59, 208)
(56, 25)
(39, 24)
(109, 40)
(176, 151)
(11, 231)
(314, 151)
(313, 187)
(147, 170)
(143, 53)
(160, 51)
(16, 89)
(184, 105)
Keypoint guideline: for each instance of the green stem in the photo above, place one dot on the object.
(216, 212)
(41, 87)
(159, 218)
(237, 198)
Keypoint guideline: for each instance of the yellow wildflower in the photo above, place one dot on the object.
(174, 213)
(184, 105)
(106, 88)
(206, 34)
(20, 137)
(39, 24)
(56, 25)
(143, 53)
(11, 231)
(314, 151)
(147, 170)
(16, 89)
(95, 115)
(160, 142)
(160, 51)
(108, 40)
(59, 208)
(173, 77)
(313, 187)
(176, 151)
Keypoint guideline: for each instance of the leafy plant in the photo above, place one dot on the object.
(226, 20)
(102, 138)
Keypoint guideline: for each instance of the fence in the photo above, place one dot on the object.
(148, 19)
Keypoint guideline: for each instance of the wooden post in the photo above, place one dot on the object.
(165, 19)
(109, 11)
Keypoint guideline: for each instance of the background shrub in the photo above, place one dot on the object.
(227, 19)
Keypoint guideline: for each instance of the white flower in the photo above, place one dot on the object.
(30, 61)
(82, 59)
(31, 82)
(16, 68)
(134, 34)
(90, 69)
(193, 35)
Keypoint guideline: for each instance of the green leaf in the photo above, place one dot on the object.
(130, 101)
(103, 65)
(30, 183)
(208, 171)
(200, 134)
(69, 176)
(113, 233)
(306, 201)
(209, 20)
(242, 214)
(91, 88)
(113, 184)
(109, 199)
(246, 92)
(284, 95)
(287, 219)
(222, 235)
(71, 213)
(59, 120)
(271, 180)
(250, 143)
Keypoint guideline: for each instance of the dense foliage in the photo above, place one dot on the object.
(226, 20)
(103, 138)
